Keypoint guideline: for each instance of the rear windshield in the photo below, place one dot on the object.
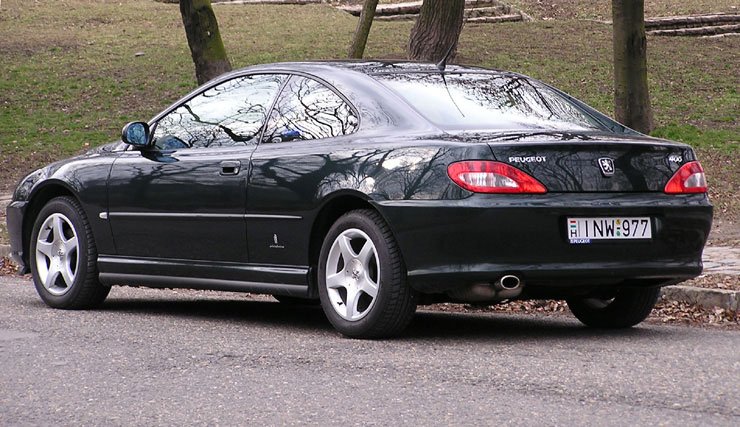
(488, 101)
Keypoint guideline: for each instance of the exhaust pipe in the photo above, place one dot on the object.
(509, 282)
(507, 287)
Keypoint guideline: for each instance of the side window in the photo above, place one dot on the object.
(229, 114)
(306, 109)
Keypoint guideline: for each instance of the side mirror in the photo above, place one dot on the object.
(136, 134)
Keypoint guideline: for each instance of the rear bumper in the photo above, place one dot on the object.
(15, 212)
(451, 243)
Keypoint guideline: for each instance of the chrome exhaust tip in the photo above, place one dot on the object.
(510, 282)
(507, 287)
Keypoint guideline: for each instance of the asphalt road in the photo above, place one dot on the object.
(152, 357)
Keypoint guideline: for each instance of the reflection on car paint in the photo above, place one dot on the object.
(231, 113)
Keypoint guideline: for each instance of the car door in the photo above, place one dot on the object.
(185, 198)
(309, 122)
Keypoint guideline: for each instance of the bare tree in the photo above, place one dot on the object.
(204, 39)
(436, 30)
(631, 96)
(357, 49)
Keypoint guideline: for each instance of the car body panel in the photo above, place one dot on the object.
(14, 215)
(179, 205)
(447, 243)
(290, 183)
(83, 177)
(569, 167)
(211, 275)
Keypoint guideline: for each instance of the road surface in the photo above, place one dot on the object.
(153, 357)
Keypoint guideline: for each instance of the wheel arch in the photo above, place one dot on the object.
(334, 206)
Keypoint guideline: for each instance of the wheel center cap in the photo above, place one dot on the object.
(355, 268)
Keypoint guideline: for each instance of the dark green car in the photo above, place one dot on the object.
(372, 187)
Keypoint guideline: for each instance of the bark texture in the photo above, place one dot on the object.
(204, 39)
(631, 95)
(437, 28)
(357, 49)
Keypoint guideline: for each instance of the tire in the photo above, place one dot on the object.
(282, 299)
(359, 258)
(629, 307)
(63, 257)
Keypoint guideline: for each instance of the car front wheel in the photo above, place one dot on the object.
(362, 282)
(63, 257)
(627, 308)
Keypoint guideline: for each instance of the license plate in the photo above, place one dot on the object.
(585, 230)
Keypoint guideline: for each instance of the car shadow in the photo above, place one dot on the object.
(439, 326)
(262, 313)
(506, 327)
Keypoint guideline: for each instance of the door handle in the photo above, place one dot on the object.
(230, 167)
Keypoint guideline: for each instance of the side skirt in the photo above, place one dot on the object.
(168, 273)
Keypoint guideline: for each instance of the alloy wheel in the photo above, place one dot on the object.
(57, 257)
(352, 274)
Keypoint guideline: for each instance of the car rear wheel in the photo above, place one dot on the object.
(627, 308)
(362, 281)
(63, 257)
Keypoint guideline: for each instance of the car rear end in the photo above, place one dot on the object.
(567, 201)
(583, 231)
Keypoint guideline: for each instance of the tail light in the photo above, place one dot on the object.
(689, 178)
(484, 176)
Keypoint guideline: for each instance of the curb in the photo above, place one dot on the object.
(706, 298)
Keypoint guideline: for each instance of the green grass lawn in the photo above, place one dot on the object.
(71, 79)
(601, 10)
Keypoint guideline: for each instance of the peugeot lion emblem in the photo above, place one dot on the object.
(607, 166)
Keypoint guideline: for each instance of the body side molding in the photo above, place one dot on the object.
(154, 281)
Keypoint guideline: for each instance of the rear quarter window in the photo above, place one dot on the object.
(488, 101)
(307, 109)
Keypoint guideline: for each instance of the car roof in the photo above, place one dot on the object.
(378, 105)
(369, 67)
(356, 80)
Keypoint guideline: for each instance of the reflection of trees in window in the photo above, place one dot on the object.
(499, 101)
(231, 113)
(309, 110)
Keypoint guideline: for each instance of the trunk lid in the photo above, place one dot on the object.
(567, 163)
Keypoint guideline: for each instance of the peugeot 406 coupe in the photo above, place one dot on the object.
(371, 187)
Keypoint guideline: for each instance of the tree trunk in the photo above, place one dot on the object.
(204, 39)
(436, 30)
(357, 49)
(631, 96)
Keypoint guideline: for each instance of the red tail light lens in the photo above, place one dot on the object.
(689, 178)
(484, 176)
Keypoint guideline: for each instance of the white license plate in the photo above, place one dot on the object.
(584, 230)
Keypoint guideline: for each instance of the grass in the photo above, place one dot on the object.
(71, 79)
(601, 10)
(707, 140)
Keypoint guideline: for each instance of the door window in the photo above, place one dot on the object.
(229, 114)
(307, 109)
